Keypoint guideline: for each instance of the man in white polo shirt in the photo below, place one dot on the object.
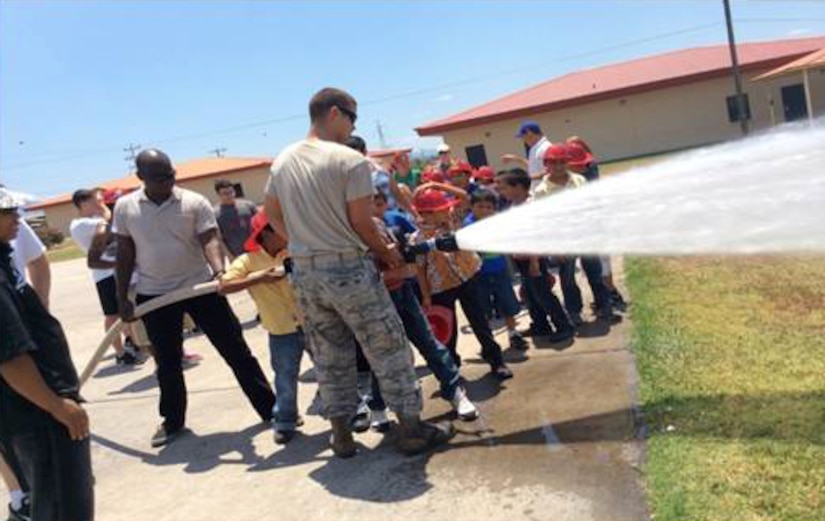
(170, 234)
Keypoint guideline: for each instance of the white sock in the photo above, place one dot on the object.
(17, 497)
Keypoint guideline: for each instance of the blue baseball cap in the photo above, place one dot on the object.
(528, 126)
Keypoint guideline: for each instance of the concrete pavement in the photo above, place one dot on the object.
(556, 442)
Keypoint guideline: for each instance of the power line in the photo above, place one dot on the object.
(131, 148)
(218, 151)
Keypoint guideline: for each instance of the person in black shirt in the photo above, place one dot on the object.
(42, 423)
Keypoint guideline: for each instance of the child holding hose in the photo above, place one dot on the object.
(261, 271)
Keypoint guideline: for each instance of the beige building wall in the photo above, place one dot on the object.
(639, 124)
(253, 181)
(60, 217)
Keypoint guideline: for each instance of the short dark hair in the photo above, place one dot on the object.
(516, 177)
(483, 195)
(325, 99)
(220, 184)
(357, 143)
(84, 194)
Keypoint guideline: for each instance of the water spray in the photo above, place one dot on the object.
(763, 194)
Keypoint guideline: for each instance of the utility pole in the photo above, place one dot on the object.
(131, 149)
(737, 76)
(380, 130)
(218, 151)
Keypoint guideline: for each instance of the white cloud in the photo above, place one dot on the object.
(444, 97)
(799, 32)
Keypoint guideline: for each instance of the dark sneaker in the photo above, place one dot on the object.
(129, 359)
(21, 514)
(576, 319)
(344, 447)
(607, 315)
(361, 421)
(531, 332)
(517, 342)
(502, 372)
(379, 421)
(161, 437)
(617, 302)
(430, 436)
(283, 437)
(561, 335)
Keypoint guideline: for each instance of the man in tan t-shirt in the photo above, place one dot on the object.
(320, 197)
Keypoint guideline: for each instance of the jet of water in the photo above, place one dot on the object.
(763, 194)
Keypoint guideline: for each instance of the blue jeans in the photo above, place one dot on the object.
(285, 352)
(418, 330)
(438, 357)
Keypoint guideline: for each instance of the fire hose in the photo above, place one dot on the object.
(198, 290)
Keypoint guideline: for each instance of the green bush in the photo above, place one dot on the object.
(50, 237)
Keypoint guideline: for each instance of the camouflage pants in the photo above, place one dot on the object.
(344, 299)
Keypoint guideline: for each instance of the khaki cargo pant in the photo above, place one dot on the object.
(343, 298)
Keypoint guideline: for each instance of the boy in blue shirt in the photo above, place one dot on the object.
(496, 282)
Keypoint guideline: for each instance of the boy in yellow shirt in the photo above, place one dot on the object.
(260, 270)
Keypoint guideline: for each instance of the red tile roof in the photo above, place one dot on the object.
(809, 61)
(640, 75)
(389, 152)
(186, 171)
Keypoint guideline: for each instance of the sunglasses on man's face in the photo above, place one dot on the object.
(348, 113)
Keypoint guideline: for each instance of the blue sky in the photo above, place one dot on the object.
(79, 81)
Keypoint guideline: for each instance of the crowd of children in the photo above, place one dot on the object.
(411, 206)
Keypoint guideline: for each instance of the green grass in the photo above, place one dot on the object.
(731, 355)
(67, 250)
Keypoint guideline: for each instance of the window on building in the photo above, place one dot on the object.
(476, 155)
(238, 189)
(733, 108)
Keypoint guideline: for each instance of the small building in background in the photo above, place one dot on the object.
(248, 174)
(651, 105)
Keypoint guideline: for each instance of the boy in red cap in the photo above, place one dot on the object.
(556, 175)
(401, 286)
(460, 174)
(557, 179)
(445, 277)
(581, 161)
(261, 271)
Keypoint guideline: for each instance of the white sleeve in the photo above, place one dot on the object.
(83, 232)
(28, 245)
